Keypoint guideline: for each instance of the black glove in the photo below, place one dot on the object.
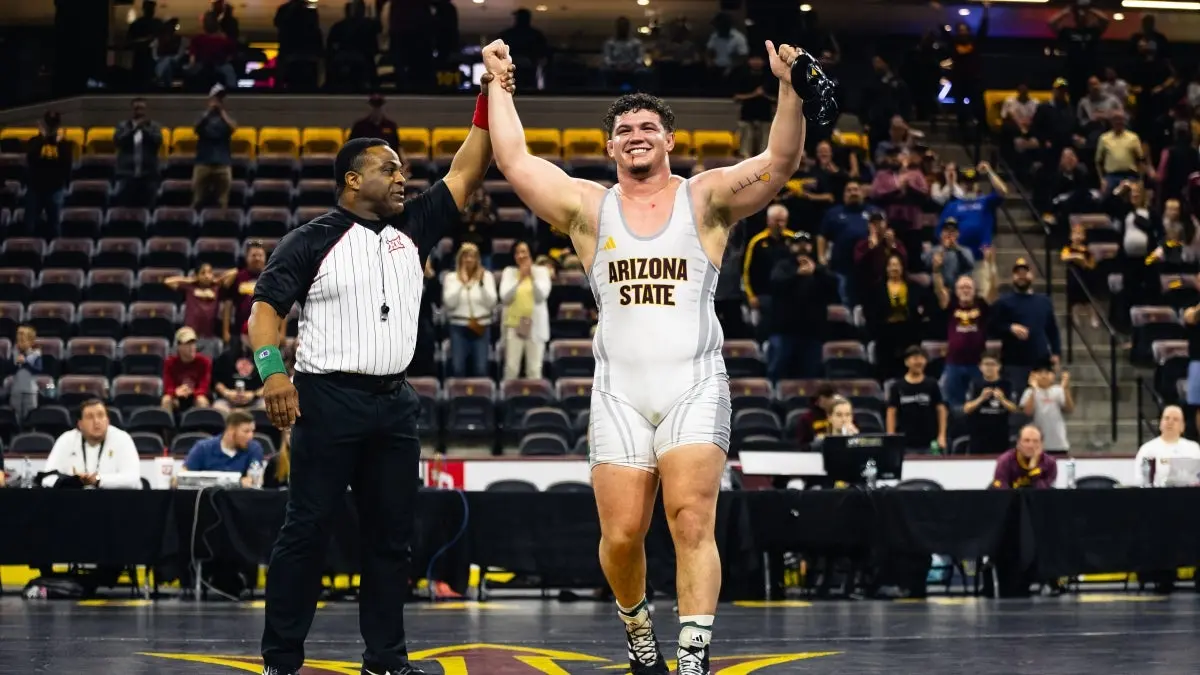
(818, 90)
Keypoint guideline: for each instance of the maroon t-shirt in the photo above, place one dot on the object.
(200, 310)
(966, 333)
(212, 49)
(242, 294)
(1015, 472)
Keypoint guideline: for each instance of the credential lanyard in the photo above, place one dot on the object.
(99, 453)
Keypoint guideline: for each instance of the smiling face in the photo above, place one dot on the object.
(640, 143)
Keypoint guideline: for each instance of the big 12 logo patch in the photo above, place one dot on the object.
(490, 659)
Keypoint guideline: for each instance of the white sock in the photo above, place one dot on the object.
(695, 630)
(637, 614)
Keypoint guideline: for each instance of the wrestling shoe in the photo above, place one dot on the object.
(693, 661)
(272, 670)
(404, 669)
(644, 655)
(818, 90)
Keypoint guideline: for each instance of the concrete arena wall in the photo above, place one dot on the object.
(341, 111)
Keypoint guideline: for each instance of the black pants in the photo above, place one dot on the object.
(350, 433)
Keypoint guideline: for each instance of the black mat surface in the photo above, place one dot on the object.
(1090, 633)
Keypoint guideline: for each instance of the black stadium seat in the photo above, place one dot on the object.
(109, 285)
(551, 445)
(148, 444)
(32, 443)
(182, 444)
(91, 356)
(59, 285)
(102, 319)
(470, 407)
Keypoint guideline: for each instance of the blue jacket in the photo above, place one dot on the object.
(1035, 311)
(207, 456)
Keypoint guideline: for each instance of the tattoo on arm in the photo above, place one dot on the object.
(758, 177)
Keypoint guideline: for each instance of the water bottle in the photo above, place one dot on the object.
(26, 473)
(1070, 466)
(870, 471)
(51, 391)
(256, 475)
(1146, 468)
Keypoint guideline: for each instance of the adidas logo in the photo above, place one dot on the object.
(609, 244)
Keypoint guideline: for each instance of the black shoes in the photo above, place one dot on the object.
(693, 661)
(404, 669)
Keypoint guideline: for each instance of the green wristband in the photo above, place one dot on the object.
(269, 362)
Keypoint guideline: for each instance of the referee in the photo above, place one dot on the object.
(358, 274)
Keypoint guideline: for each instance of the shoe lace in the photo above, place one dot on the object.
(691, 662)
(642, 643)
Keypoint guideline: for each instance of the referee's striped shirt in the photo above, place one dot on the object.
(343, 270)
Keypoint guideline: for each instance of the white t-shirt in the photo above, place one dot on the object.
(725, 48)
(1162, 453)
(1048, 415)
(115, 460)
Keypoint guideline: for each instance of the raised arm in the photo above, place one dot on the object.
(546, 189)
(741, 190)
(470, 163)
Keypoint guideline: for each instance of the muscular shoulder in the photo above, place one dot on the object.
(587, 219)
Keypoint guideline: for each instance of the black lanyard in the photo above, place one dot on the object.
(99, 452)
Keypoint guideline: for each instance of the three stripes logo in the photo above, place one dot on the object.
(609, 244)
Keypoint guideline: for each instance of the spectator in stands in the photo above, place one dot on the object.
(966, 332)
(947, 186)
(301, 44)
(1062, 191)
(1016, 114)
(727, 46)
(1112, 85)
(94, 454)
(1153, 83)
(729, 296)
(1025, 466)
(831, 177)
(623, 57)
(138, 141)
(170, 53)
(212, 54)
(915, 407)
(233, 451)
(423, 364)
(479, 215)
(841, 418)
(1119, 154)
(900, 188)
(26, 366)
(894, 311)
(764, 250)
(1026, 325)
(48, 159)
(378, 125)
(950, 258)
(1176, 163)
(899, 140)
(200, 306)
(1161, 451)
(751, 84)
(1193, 90)
(469, 299)
(1056, 123)
(212, 176)
(527, 45)
(975, 212)
(187, 375)
(1047, 403)
(1081, 41)
(235, 378)
(1096, 111)
(139, 36)
(885, 97)
(223, 11)
(239, 287)
(966, 72)
(843, 226)
(524, 288)
(801, 292)
(351, 49)
(990, 403)
(1080, 265)
(871, 258)
(814, 422)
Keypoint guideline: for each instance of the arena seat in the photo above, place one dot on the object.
(22, 252)
(755, 422)
(94, 193)
(547, 420)
(935, 357)
(182, 444)
(470, 409)
(306, 213)
(109, 285)
(221, 253)
(59, 285)
(446, 141)
(183, 141)
(713, 143)
(209, 420)
(16, 284)
(74, 252)
(31, 443)
(218, 222)
(51, 319)
(49, 419)
(279, 141)
(316, 166)
(10, 193)
(850, 139)
(1171, 365)
(75, 136)
(322, 193)
(124, 222)
(148, 444)
(99, 141)
(415, 142)
(571, 322)
(152, 319)
(91, 356)
(518, 397)
(268, 192)
(96, 167)
(574, 394)
(429, 393)
(845, 360)
(865, 394)
(321, 140)
(267, 222)
(543, 445)
(178, 167)
(52, 355)
(751, 392)
(102, 319)
(81, 222)
(75, 389)
(143, 356)
(571, 358)
(177, 193)
(12, 168)
(1151, 324)
(743, 358)
(244, 142)
(546, 143)
(583, 143)
(683, 144)
(134, 391)
(118, 252)
(11, 316)
(275, 167)
(13, 139)
(1180, 290)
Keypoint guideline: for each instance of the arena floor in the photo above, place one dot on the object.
(1092, 634)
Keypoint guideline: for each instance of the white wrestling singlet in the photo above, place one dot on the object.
(660, 379)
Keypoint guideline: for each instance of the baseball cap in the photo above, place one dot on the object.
(875, 215)
(914, 350)
(950, 223)
(1021, 263)
(1061, 83)
(217, 90)
(184, 335)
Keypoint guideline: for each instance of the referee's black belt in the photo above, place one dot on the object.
(372, 384)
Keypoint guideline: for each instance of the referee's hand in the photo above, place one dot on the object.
(283, 404)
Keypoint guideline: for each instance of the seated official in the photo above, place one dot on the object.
(233, 451)
(95, 454)
(1026, 465)
(1162, 450)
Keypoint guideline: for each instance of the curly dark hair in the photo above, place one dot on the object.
(631, 102)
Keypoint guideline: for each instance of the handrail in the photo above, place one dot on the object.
(1144, 423)
(1113, 338)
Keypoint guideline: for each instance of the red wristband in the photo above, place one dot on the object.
(481, 112)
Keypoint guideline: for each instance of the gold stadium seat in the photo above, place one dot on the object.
(244, 142)
(446, 140)
(414, 141)
(683, 142)
(713, 144)
(183, 141)
(993, 100)
(544, 142)
(279, 141)
(12, 139)
(99, 141)
(850, 139)
(583, 143)
(74, 136)
(321, 140)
